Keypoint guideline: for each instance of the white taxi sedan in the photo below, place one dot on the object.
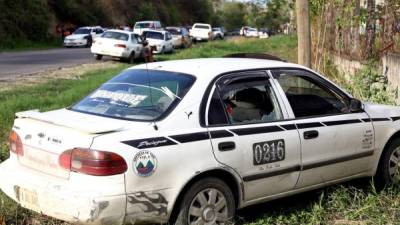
(160, 41)
(191, 141)
(120, 44)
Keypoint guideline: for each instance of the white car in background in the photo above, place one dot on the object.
(83, 37)
(120, 44)
(263, 33)
(251, 32)
(143, 26)
(201, 32)
(160, 41)
(180, 37)
(218, 33)
(191, 141)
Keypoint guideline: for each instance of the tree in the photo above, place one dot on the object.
(355, 47)
(370, 29)
(234, 15)
(277, 13)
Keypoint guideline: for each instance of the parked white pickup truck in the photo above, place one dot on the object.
(201, 32)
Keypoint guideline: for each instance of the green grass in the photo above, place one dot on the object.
(355, 203)
(352, 203)
(25, 45)
(284, 47)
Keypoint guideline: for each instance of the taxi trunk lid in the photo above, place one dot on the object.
(45, 136)
(108, 43)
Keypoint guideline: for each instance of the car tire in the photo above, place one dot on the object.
(205, 200)
(389, 165)
(131, 58)
(98, 57)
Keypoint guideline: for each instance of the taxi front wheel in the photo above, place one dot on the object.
(208, 201)
(389, 165)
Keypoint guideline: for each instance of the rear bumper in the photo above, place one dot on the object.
(157, 49)
(201, 38)
(76, 43)
(68, 200)
(177, 42)
(119, 53)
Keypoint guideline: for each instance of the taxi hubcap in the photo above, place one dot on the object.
(394, 165)
(209, 207)
(209, 214)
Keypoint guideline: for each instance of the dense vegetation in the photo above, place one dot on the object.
(23, 20)
(26, 24)
(35, 21)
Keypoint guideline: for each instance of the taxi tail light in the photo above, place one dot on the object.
(120, 45)
(16, 144)
(92, 162)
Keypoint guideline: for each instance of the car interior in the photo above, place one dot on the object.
(307, 98)
(246, 101)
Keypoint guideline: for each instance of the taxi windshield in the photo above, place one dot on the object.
(144, 25)
(142, 95)
(82, 31)
(154, 35)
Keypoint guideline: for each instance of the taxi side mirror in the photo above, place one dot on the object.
(356, 105)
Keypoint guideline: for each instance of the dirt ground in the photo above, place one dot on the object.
(61, 73)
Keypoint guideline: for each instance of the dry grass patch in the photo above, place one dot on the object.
(65, 73)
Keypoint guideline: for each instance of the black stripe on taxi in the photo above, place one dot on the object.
(200, 136)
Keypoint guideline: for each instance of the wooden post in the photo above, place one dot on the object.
(303, 33)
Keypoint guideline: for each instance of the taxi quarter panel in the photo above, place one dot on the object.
(175, 158)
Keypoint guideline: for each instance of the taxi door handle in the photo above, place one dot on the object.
(226, 146)
(310, 134)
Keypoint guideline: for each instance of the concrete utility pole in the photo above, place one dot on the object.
(303, 33)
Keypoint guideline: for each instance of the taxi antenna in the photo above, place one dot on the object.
(151, 94)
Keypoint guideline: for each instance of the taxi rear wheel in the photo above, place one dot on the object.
(207, 202)
(389, 165)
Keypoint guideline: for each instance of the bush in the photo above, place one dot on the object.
(370, 85)
(24, 19)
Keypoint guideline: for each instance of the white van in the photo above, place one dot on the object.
(201, 32)
(142, 26)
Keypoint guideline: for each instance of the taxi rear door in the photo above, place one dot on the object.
(249, 133)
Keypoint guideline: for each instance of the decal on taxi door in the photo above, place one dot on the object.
(268, 152)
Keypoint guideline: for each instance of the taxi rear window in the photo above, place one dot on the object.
(141, 95)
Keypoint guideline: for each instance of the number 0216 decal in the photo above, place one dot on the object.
(268, 152)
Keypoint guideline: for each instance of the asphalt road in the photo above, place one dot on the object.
(29, 62)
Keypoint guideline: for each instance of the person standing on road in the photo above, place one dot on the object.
(147, 52)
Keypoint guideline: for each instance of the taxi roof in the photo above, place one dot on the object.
(209, 68)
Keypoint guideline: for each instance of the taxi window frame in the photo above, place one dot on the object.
(226, 79)
(323, 83)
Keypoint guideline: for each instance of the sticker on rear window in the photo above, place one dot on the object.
(131, 99)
